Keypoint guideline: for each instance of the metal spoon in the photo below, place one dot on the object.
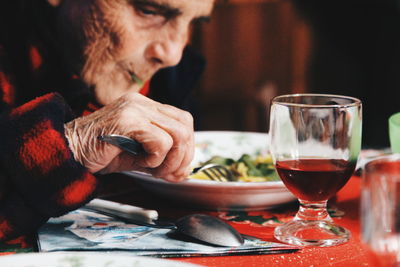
(201, 227)
(209, 229)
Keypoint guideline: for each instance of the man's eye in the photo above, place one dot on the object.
(154, 12)
(148, 11)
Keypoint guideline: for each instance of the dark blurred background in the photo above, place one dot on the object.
(257, 49)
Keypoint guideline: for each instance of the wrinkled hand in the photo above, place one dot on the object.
(165, 132)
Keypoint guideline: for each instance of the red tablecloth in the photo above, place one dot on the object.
(256, 223)
(352, 253)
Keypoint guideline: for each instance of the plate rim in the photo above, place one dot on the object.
(206, 183)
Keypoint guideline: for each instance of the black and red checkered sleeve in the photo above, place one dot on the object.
(42, 178)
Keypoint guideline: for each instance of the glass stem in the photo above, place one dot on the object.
(313, 211)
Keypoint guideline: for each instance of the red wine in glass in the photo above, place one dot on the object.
(315, 142)
(315, 179)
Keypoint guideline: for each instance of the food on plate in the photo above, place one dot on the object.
(246, 169)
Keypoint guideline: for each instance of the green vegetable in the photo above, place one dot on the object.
(220, 160)
(252, 169)
(137, 80)
(265, 169)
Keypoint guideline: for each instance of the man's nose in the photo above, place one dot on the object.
(167, 50)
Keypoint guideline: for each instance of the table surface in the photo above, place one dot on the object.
(353, 253)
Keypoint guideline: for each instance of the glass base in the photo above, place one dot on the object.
(312, 233)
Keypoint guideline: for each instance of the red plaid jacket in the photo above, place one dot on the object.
(39, 177)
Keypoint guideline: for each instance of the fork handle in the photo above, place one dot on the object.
(125, 143)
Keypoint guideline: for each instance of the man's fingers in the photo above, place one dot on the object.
(182, 151)
(156, 143)
(165, 132)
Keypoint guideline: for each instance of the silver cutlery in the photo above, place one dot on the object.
(125, 143)
(205, 228)
(215, 172)
(122, 211)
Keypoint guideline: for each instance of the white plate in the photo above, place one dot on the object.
(222, 195)
(85, 259)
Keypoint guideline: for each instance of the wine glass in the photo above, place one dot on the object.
(315, 143)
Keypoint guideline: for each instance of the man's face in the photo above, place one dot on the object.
(127, 40)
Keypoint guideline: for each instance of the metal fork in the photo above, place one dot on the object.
(216, 172)
(123, 142)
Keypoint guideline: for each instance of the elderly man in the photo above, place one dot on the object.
(71, 70)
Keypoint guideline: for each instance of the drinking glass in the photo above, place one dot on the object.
(394, 132)
(380, 209)
(315, 143)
